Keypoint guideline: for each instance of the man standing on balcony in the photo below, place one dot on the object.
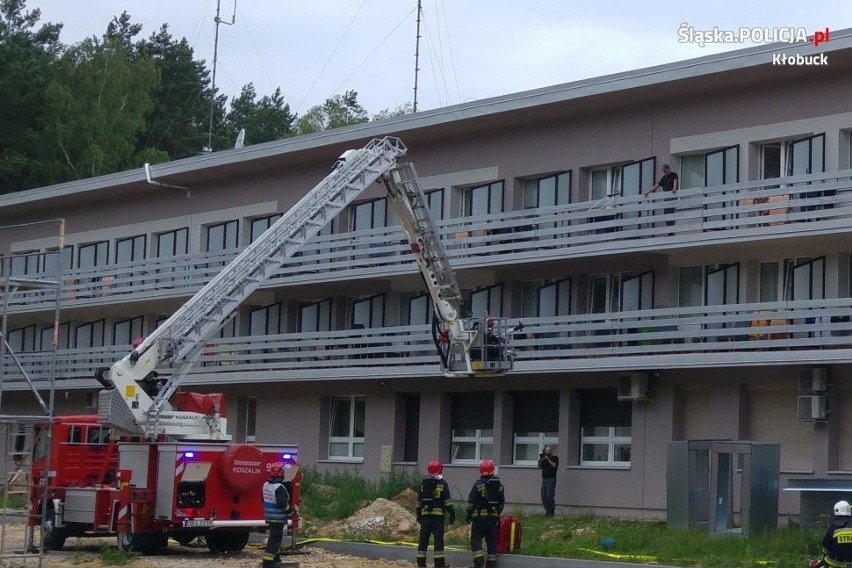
(668, 182)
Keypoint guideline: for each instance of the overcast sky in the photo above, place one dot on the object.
(469, 49)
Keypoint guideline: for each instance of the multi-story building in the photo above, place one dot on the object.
(647, 320)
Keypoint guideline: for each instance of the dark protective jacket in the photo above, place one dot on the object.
(434, 498)
(276, 501)
(486, 498)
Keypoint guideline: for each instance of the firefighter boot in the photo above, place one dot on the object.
(490, 564)
(440, 562)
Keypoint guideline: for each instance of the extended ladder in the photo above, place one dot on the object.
(180, 339)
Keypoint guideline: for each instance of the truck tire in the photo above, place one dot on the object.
(226, 540)
(54, 537)
(144, 543)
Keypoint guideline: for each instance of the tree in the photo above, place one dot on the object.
(399, 110)
(26, 57)
(97, 101)
(264, 120)
(338, 111)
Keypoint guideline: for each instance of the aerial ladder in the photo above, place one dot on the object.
(467, 347)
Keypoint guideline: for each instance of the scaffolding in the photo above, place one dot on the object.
(18, 431)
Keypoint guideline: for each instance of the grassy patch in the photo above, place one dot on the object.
(114, 556)
(329, 496)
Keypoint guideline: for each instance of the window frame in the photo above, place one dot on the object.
(356, 403)
(468, 193)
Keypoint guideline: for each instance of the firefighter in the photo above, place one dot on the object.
(433, 504)
(837, 543)
(276, 509)
(484, 506)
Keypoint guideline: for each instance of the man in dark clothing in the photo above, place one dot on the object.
(669, 182)
(484, 505)
(548, 464)
(276, 509)
(837, 543)
(433, 502)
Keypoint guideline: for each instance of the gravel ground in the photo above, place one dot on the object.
(86, 553)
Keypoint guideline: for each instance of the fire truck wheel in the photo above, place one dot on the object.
(226, 541)
(54, 537)
(142, 542)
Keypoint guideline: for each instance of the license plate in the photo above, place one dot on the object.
(197, 523)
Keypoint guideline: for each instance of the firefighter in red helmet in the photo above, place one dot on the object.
(484, 506)
(433, 505)
(276, 509)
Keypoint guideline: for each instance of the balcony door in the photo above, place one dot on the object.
(721, 288)
(636, 178)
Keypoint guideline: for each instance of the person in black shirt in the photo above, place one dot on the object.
(548, 464)
(669, 182)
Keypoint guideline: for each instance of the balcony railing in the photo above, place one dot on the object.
(786, 206)
(801, 332)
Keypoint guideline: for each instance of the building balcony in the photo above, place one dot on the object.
(757, 210)
(777, 333)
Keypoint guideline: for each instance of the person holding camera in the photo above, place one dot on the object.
(548, 464)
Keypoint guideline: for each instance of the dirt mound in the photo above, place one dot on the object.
(380, 520)
(407, 499)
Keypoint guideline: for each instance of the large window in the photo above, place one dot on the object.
(259, 225)
(419, 310)
(472, 422)
(368, 312)
(25, 264)
(482, 200)
(487, 301)
(637, 292)
(265, 320)
(315, 316)
(691, 286)
(547, 299)
(435, 203)
(64, 336)
(605, 294)
(370, 214)
(604, 183)
(23, 339)
(89, 335)
(222, 236)
(125, 331)
(51, 260)
(173, 243)
(793, 157)
(346, 435)
(547, 191)
(605, 435)
(130, 249)
(93, 254)
(536, 424)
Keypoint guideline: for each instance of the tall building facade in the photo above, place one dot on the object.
(720, 312)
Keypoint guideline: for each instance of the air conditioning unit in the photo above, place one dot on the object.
(812, 407)
(634, 386)
(813, 380)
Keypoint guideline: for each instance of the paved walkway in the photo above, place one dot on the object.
(458, 559)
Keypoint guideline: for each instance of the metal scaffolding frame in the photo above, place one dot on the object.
(19, 430)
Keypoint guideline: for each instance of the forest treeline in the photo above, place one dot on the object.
(114, 102)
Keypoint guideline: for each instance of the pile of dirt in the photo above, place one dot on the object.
(380, 520)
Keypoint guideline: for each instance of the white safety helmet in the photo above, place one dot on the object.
(842, 509)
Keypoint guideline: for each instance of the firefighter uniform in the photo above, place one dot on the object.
(276, 509)
(837, 544)
(433, 505)
(485, 504)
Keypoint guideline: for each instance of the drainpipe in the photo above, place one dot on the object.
(161, 184)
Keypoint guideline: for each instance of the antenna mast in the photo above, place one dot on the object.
(417, 52)
(218, 21)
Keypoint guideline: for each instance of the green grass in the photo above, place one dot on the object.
(114, 556)
(330, 496)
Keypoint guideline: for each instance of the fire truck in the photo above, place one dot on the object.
(158, 463)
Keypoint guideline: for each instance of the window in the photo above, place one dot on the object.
(419, 310)
(97, 436)
(605, 294)
(125, 331)
(536, 425)
(547, 191)
(795, 157)
(722, 166)
(482, 200)
(23, 339)
(130, 249)
(315, 316)
(89, 335)
(691, 286)
(250, 407)
(487, 301)
(637, 292)
(722, 285)
(636, 177)
(368, 312)
(222, 236)
(547, 298)
(173, 243)
(410, 405)
(370, 214)
(265, 320)
(47, 337)
(435, 203)
(770, 282)
(692, 172)
(261, 224)
(809, 279)
(50, 260)
(24, 264)
(605, 435)
(93, 254)
(472, 422)
(346, 439)
(604, 183)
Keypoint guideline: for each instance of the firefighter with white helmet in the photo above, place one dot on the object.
(433, 505)
(276, 509)
(837, 543)
(484, 506)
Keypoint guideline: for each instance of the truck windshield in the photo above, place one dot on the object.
(40, 449)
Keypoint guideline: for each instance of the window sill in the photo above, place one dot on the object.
(600, 466)
(356, 461)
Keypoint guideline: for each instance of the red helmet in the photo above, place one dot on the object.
(486, 467)
(137, 342)
(435, 467)
(276, 469)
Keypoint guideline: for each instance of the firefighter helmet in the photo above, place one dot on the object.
(276, 469)
(435, 467)
(486, 467)
(842, 509)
